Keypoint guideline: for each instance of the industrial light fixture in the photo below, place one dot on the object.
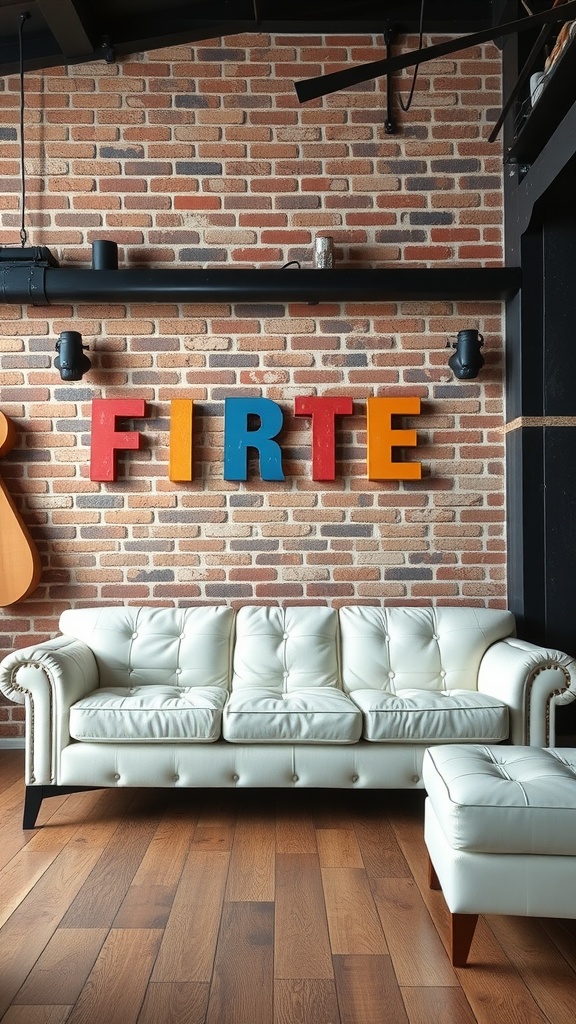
(71, 361)
(467, 360)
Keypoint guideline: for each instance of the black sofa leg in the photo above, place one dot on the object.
(32, 803)
(36, 794)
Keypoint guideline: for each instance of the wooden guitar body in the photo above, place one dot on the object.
(20, 567)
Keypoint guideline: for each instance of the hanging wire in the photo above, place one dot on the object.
(23, 234)
(406, 107)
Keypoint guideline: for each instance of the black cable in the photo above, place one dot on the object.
(23, 235)
(415, 75)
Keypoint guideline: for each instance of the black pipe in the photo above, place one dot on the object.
(45, 286)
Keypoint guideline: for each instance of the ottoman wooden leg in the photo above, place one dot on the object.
(462, 927)
(433, 880)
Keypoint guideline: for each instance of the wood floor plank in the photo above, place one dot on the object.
(547, 975)
(116, 987)
(242, 987)
(418, 955)
(381, 854)
(71, 811)
(97, 903)
(306, 1001)
(252, 863)
(145, 906)
(60, 973)
(189, 942)
(12, 770)
(19, 877)
(217, 808)
(94, 815)
(12, 795)
(37, 1015)
(368, 992)
(295, 832)
(562, 933)
(178, 1002)
(440, 1005)
(213, 837)
(330, 809)
(31, 926)
(302, 942)
(149, 899)
(353, 922)
(338, 848)
(492, 986)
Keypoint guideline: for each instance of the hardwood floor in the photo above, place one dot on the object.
(250, 907)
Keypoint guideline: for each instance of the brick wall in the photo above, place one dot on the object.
(202, 156)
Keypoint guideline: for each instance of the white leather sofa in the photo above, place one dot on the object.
(274, 696)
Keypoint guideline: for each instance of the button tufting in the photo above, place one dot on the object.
(295, 778)
(415, 778)
(355, 778)
(235, 778)
(284, 636)
(175, 778)
(134, 635)
(116, 777)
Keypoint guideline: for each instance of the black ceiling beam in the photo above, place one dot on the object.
(323, 85)
(67, 27)
(64, 32)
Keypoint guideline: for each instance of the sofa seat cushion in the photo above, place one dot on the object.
(425, 716)
(317, 714)
(157, 713)
(508, 800)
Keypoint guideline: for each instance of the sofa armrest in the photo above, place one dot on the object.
(48, 678)
(532, 680)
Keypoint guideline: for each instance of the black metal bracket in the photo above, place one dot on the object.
(390, 126)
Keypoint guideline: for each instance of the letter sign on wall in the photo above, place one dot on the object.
(180, 464)
(238, 438)
(382, 438)
(323, 412)
(106, 440)
(256, 423)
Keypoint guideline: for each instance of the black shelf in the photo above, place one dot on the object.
(556, 99)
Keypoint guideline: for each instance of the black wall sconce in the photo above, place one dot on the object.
(71, 361)
(467, 360)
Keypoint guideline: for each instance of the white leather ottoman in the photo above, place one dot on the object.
(500, 828)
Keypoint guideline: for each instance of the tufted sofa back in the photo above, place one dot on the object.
(286, 649)
(138, 646)
(408, 648)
